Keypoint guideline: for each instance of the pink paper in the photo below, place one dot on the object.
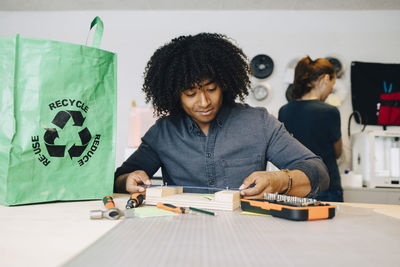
(141, 119)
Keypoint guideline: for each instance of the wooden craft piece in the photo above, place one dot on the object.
(222, 200)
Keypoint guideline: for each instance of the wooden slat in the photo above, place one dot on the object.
(222, 200)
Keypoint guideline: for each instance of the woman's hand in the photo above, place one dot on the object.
(264, 182)
(135, 179)
(129, 182)
(275, 182)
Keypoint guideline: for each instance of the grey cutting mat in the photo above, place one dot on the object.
(355, 237)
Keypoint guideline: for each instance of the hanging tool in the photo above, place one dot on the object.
(134, 201)
(173, 208)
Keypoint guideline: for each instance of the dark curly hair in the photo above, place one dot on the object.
(187, 60)
(307, 71)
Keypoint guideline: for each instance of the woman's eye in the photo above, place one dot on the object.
(190, 93)
(212, 89)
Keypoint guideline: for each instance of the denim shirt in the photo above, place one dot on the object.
(241, 139)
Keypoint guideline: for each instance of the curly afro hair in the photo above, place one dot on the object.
(187, 60)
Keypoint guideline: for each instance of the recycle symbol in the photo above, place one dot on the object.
(60, 120)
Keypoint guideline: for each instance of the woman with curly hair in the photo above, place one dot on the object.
(314, 123)
(203, 138)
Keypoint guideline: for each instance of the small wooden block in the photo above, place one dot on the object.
(222, 200)
(163, 191)
(227, 196)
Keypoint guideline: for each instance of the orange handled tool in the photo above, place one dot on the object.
(173, 208)
(111, 212)
(135, 201)
(108, 202)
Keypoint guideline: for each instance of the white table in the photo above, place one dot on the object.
(51, 234)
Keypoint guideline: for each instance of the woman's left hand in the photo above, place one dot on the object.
(264, 182)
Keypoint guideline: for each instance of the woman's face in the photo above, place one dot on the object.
(202, 102)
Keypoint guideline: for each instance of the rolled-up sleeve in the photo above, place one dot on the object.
(285, 152)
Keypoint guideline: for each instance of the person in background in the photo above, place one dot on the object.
(314, 123)
(204, 138)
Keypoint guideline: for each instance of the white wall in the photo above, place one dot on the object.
(372, 36)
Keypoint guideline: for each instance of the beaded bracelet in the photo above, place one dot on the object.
(289, 184)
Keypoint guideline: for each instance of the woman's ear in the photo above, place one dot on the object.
(324, 81)
(326, 78)
(318, 83)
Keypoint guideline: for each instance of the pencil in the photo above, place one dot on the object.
(202, 211)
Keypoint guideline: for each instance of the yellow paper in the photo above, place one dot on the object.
(253, 213)
(152, 211)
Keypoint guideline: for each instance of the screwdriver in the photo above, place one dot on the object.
(134, 201)
(170, 207)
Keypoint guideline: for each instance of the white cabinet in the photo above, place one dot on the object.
(371, 195)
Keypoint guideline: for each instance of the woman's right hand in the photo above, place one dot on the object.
(135, 179)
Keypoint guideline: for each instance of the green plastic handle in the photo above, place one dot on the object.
(98, 34)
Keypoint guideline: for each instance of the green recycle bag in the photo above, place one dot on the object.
(58, 120)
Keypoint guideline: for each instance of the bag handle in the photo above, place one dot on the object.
(98, 33)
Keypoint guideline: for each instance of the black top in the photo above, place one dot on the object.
(317, 126)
